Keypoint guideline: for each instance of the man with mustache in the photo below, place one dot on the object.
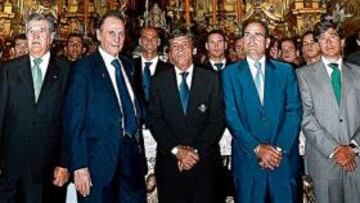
(263, 113)
(331, 119)
(32, 88)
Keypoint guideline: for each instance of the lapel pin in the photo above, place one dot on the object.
(202, 108)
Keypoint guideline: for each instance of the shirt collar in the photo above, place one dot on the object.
(178, 71)
(327, 62)
(153, 60)
(222, 61)
(107, 57)
(251, 61)
(45, 58)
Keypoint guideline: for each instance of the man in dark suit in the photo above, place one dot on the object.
(102, 122)
(186, 120)
(263, 113)
(355, 56)
(32, 91)
(147, 66)
(216, 46)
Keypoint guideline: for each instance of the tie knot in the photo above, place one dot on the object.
(257, 65)
(116, 63)
(219, 65)
(184, 75)
(148, 64)
(334, 66)
(37, 61)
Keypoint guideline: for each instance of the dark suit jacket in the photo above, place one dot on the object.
(31, 132)
(354, 58)
(138, 82)
(93, 123)
(207, 65)
(201, 128)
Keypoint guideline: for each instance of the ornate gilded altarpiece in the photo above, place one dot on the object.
(284, 17)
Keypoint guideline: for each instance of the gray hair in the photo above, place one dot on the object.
(38, 17)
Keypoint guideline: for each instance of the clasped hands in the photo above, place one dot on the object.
(269, 157)
(61, 176)
(187, 157)
(345, 158)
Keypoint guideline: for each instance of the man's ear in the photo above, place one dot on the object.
(206, 46)
(83, 50)
(226, 45)
(267, 41)
(98, 35)
(159, 42)
(140, 43)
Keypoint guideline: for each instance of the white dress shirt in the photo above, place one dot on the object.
(43, 65)
(152, 67)
(213, 64)
(111, 70)
(178, 72)
(327, 62)
(253, 71)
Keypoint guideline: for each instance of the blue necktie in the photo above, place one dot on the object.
(147, 80)
(127, 106)
(184, 91)
(259, 81)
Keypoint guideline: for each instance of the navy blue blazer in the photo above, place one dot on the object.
(276, 122)
(93, 122)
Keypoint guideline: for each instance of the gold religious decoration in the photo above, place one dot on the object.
(157, 17)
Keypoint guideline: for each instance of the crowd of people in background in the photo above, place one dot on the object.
(76, 110)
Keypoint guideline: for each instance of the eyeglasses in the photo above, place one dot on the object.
(255, 35)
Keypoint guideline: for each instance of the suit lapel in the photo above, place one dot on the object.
(195, 92)
(51, 76)
(347, 81)
(174, 93)
(323, 78)
(104, 77)
(269, 84)
(24, 71)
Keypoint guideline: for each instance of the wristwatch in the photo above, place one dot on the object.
(354, 148)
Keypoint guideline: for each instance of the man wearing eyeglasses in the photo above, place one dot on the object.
(263, 113)
(331, 119)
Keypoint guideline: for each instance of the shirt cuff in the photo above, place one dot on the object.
(174, 150)
(355, 147)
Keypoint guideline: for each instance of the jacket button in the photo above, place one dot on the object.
(340, 120)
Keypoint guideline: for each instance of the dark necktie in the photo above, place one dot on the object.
(130, 123)
(336, 81)
(37, 77)
(184, 91)
(219, 66)
(147, 80)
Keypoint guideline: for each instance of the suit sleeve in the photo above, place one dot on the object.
(215, 126)
(289, 132)
(3, 99)
(157, 124)
(234, 123)
(313, 131)
(74, 117)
